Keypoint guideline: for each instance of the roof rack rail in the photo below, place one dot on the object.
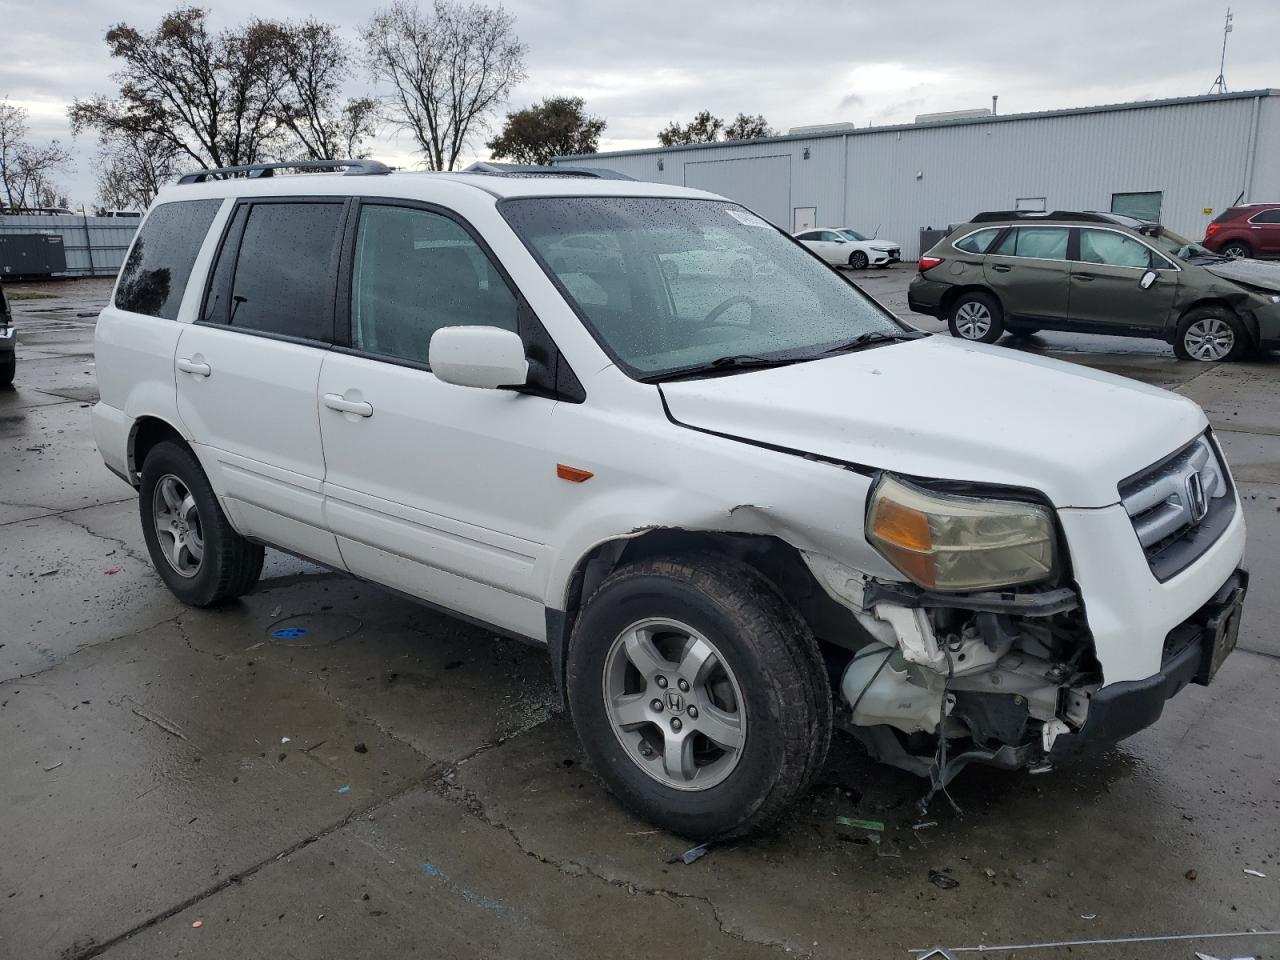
(1070, 216)
(354, 168)
(494, 169)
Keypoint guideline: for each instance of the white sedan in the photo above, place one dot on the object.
(845, 247)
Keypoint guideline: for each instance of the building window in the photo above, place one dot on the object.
(1030, 203)
(1141, 206)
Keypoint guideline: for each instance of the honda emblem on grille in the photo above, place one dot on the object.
(1196, 500)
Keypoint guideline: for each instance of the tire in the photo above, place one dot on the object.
(1211, 335)
(1236, 248)
(858, 260)
(769, 679)
(227, 565)
(8, 370)
(976, 316)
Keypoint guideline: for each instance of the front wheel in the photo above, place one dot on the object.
(193, 547)
(976, 316)
(1210, 335)
(699, 695)
(858, 260)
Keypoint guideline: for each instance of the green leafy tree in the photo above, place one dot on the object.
(556, 127)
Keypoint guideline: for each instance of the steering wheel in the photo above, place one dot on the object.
(714, 315)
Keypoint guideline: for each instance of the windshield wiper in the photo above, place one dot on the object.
(870, 339)
(737, 361)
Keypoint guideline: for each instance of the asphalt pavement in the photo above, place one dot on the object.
(209, 784)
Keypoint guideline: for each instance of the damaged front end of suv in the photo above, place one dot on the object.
(986, 655)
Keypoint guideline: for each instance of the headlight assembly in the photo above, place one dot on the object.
(946, 542)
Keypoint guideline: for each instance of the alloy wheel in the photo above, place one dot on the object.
(973, 320)
(178, 528)
(1209, 339)
(674, 704)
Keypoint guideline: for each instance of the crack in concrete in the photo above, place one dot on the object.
(88, 646)
(98, 949)
(446, 787)
(55, 513)
(124, 545)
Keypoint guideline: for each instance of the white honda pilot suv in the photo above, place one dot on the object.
(738, 508)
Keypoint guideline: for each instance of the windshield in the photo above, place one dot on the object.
(1171, 243)
(670, 285)
(852, 235)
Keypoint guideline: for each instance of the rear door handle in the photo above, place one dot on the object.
(336, 401)
(1086, 277)
(1001, 267)
(194, 366)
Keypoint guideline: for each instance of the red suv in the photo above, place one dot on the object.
(1251, 230)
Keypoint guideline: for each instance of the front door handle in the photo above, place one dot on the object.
(336, 401)
(1001, 267)
(1087, 277)
(197, 367)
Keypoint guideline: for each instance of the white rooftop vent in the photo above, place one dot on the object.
(953, 115)
(822, 128)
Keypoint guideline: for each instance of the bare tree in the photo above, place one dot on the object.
(26, 169)
(131, 172)
(265, 90)
(744, 127)
(703, 128)
(448, 70)
(316, 62)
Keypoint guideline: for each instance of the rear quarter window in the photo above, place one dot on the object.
(155, 273)
(979, 241)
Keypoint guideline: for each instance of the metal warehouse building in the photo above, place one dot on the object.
(1182, 160)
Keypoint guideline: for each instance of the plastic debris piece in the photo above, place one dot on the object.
(860, 824)
(111, 571)
(1255, 873)
(55, 766)
(197, 924)
(289, 633)
(1088, 916)
(276, 611)
(692, 854)
(942, 881)
(991, 874)
(50, 573)
(345, 788)
(284, 739)
(925, 825)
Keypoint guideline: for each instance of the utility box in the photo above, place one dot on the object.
(31, 255)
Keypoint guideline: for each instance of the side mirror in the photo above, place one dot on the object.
(486, 357)
(1148, 279)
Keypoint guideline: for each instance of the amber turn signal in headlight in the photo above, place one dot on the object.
(954, 543)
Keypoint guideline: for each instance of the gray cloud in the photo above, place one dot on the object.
(640, 66)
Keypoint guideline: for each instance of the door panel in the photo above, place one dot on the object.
(1029, 271)
(254, 420)
(1264, 232)
(440, 492)
(1106, 289)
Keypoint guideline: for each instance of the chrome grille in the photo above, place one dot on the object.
(1170, 501)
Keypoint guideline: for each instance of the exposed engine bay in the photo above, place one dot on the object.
(940, 682)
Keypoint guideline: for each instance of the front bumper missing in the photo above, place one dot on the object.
(1194, 650)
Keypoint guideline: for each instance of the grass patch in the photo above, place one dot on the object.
(15, 295)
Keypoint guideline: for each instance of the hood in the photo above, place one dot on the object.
(1254, 273)
(884, 244)
(940, 408)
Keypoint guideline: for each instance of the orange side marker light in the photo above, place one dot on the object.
(572, 474)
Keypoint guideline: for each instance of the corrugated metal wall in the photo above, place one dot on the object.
(95, 246)
(1196, 153)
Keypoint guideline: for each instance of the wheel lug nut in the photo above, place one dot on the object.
(657, 705)
(646, 750)
(693, 712)
(684, 686)
(676, 724)
(662, 682)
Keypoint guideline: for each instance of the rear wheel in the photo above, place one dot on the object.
(699, 695)
(1211, 335)
(8, 369)
(1236, 249)
(193, 547)
(858, 260)
(976, 316)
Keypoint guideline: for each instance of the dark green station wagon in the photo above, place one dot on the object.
(1019, 272)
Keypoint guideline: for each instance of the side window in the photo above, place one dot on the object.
(155, 273)
(1266, 216)
(282, 278)
(1113, 249)
(1042, 243)
(831, 236)
(415, 272)
(978, 242)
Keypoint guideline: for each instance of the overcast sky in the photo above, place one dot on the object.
(642, 64)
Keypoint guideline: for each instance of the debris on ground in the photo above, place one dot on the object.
(991, 874)
(860, 824)
(361, 748)
(1088, 916)
(692, 854)
(111, 571)
(50, 573)
(1255, 873)
(942, 881)
(276, 611)
(1191, 874)
(54, 767)
(345, 788)
(284, 739)
(197, 924)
